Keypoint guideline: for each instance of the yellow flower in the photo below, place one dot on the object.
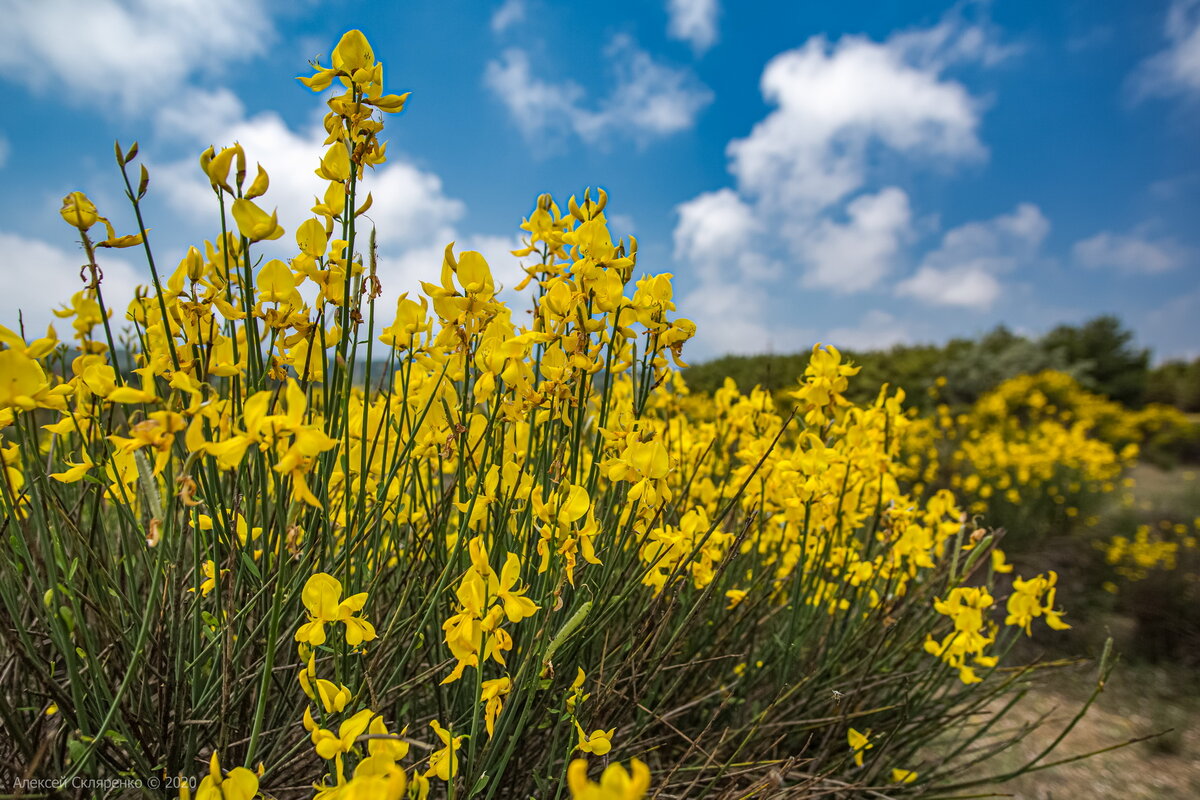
(1034, 598)
(333, 697)
(258, 186)
(127, 394)
(209, 570)
(75, 472)
(516, 606)
(23, 384)
(965, 605)
(598, 742)
(576, 694)
(392, 748)
(615, 783)
(411, 321)
(254, 223)
(276, 283)
(375, 778)
(353, 52)
(329, 745)
(217, 167)
(493, 697)
(904, 775)
(444, 762)
(335, 166)
(322, 597)
(390, 103)
(239, 784)
(998, 562)
(859, 743)
(79, 211)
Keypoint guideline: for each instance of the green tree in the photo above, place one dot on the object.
(1107, 361)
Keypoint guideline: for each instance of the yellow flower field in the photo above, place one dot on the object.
(274, 531)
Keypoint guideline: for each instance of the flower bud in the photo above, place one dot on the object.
(78, 211)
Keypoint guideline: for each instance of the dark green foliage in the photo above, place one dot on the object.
(1107, 360)
(1100, 354)
(1175, 383)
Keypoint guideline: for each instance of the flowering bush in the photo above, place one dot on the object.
(1036, 455)
(259, 515)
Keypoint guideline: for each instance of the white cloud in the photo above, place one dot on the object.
(715, 232)
(57, 271)
(802, 178)
(621, 224)
(716, 236)
(876, 331)
(509, 13)
(129, 53)
(963, 286)
(730, 317)
(693, 21)
(1176, 69)
(536, 106)
(1135, 253)
(963, 271)
(956, 38)
(648, 99)
(857, 254)
(833, 102)
(196, 114)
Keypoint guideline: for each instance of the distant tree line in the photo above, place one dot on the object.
(1100, 354)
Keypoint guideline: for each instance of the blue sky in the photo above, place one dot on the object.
(862, 173)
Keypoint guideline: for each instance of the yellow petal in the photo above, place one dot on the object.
(254, 223)
(258, 187)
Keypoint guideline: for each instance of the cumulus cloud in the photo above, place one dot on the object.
(126, 53)
(802, 177)
(1175, 69)
(717, 231)
(509, 13)
(963, 286)
(648, 99)
(1134, 253)
(57, 271)
(733, 319)
(832, 102)
(857, 254)
(875, 331)
(693, 21)
(964, 270)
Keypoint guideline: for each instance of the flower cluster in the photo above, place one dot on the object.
(516, 532)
